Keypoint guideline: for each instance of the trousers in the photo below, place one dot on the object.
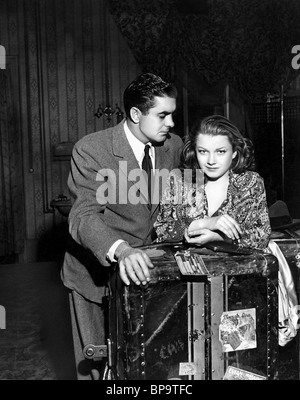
(88, 327)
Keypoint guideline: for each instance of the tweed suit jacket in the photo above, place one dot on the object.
(94, 175)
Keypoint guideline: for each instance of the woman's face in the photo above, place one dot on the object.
(215, 155)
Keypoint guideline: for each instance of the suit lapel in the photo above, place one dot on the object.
(123, 151)
(160, 155)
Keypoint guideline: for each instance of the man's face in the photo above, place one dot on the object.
(155, 125)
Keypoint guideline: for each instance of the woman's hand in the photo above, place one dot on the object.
(201, 236)
(222, 223)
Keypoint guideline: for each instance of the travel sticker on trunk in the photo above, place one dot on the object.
(237, 330)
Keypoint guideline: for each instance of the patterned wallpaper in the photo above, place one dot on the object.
(71, 57)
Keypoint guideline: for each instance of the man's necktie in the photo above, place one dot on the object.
(147, 166)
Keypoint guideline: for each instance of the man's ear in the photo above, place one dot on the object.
(135, 114)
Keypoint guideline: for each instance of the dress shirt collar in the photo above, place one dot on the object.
(137, 146)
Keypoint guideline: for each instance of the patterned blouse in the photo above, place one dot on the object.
(183, 201)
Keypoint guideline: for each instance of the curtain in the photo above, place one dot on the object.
(11, 181)
(151, 31)
(247, 45)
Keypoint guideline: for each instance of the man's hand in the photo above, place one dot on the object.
(134, 264)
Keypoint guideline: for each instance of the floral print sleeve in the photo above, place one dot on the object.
(249, 208)
(181, 203)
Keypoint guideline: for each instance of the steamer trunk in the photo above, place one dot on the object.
(218, 325)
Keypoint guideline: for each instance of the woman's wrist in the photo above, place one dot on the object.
(195, 225)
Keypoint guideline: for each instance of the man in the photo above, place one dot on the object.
(106, 221)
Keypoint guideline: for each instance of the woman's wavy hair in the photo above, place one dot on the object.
(219, 125)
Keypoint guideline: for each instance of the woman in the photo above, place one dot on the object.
(228, 204)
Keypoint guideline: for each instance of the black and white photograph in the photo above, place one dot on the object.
(149, 192)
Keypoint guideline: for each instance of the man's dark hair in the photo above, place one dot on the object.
(141, 92)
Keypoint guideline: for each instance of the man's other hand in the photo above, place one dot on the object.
(134, 264)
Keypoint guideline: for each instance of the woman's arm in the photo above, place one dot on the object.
(247, 219)
(221, 224)
(251, 212)
(171, 222)
(203, 236)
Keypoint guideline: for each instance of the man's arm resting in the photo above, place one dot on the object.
(133, 263)
(111, 254)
